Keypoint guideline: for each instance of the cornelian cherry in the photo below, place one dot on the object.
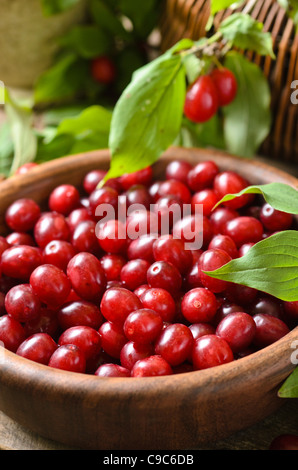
(201, 102)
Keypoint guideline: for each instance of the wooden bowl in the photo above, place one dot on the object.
(182, 411)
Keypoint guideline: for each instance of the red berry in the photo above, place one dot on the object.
(201, 102)
(238, 329)
(64, 199)
(143, 176)
(18, 262)
(268, 329)
(226, 85)
(132, 352)
(87, 276)
(161, 301)
(134, 273)
(210, 351)
(86, 338)
(22, 303)
(211, 260)
(92, 179)
(167, 248)
(112, 265)
(178, 170)
(12, 333)
(51, 226)
(151, 366)
(23, 169)
(285, 442)
(165, 275)
(202, 175)
(174, 343)
(50, 284)
(199, 305)
(230, 182)
(79, 313)
(58, 253)
(68, 357)
(103, 70)
(143, 326)
(117, 303)
(275, 220)
(22, 215)
(39, 347)
(244, 229)
(112, 370)
(112, 236)
(112, 338)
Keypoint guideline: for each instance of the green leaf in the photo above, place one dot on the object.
(148, 115)
(53, 7)
(279, 195)
(270, 266)
(62, 81)
(218, 5)
(247, 120)
(6, 149)
(244, 32)
(289, 388)
(93, 120)
(88, 41)
(20, 120)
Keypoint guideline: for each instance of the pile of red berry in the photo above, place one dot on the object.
(76, 298)
(208, 93)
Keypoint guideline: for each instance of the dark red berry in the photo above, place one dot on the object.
(210, 351)
(39, 347)
(201, 102)
(226, 85)
(68, 357)
(103, 70)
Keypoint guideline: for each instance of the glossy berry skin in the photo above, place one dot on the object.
(202, 175)
(178, 170)
(137, 194)
(50, 284)
(20, 238)
(151, 366)
(238, 329)
(134, 273)
(244, 229)
(64, 199)
(194, 230)
(23, 169)
(19, 261)
(112, 370)
(38, 348)
(22, 303)
(201, 102)
(174, 343)
(79, 313)
(46, 322)
(165, 275)
(207, 198)
(143, 326)
(220, 216)
(161, 301)
(143, 176)
(226, 85)
(92, 179)
(68, 357)
(22, 215)
(211, 260)
(142, 248)
(51, 226)
(210, 351)
(275, 220)
(268, 329)
(87, 276)
(77, 216)
(230, 182)
(113, 338)
(112, 266)
(132, 352)
(175, 188)
(12, 333)
(112, 237)
(291, 309)
(117, 303)
(166, 248)
(225, 243)
(84, 238)
(103, 70)
(58, 253)
(101, 197)
(199, 305)
(87, 339)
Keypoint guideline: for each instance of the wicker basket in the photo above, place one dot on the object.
(188, 18)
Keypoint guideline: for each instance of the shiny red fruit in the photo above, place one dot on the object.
(226, 85)
(103, 70)
(201, 101)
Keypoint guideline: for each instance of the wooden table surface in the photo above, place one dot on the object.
(258, 437)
